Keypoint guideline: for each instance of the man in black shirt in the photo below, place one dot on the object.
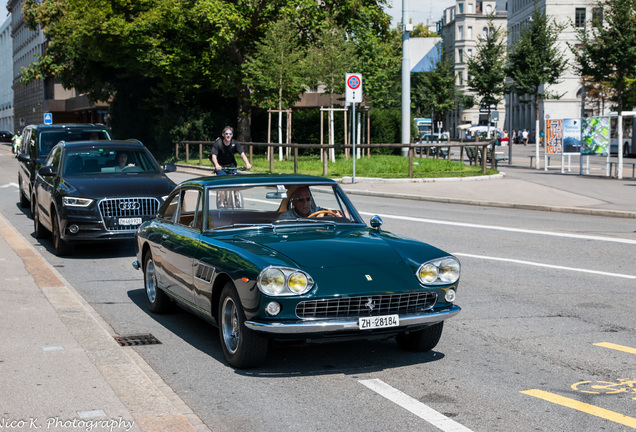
(223, 151)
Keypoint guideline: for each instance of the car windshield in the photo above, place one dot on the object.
(108, 161)
(48, 138)
(281, 204)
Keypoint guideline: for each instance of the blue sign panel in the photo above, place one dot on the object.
(48, 118)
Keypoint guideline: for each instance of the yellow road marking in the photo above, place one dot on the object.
(617, 347)
(583, 407)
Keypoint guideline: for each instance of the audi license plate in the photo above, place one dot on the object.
(129, 221)
(378, 322)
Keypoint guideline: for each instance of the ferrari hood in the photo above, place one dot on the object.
(326, 248)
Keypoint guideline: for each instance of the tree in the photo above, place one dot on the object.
(607, 53)
(274, 73)
(486, 68)
(183, 52)
(536, 62)
(435, 91)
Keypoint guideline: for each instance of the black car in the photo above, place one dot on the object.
(6, 136)
(37, 142)
(97, 190)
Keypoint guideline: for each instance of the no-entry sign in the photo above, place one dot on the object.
(353, 88)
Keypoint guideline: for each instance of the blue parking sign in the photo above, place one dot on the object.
(48, 118)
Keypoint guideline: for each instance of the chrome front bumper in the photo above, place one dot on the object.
(329, 326)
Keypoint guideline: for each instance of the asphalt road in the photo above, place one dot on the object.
(539, 292)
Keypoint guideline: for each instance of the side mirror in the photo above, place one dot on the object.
(46, 171)
(169, 167)
(376, 222)
(24, 157)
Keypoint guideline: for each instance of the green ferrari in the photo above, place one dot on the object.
(288, 257)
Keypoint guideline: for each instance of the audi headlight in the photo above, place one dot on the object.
(76, 202)
(439, 272)
(283, 281)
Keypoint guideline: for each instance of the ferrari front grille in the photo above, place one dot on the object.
(372, 305)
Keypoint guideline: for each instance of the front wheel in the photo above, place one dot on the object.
(421, 340)
(157, 301)
(24, 202)
(242, 347)
(38, 229)
(61, 247)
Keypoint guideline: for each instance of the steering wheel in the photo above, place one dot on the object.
(324, 212)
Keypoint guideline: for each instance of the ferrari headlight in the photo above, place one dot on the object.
(297, 282)
(283, 281)
(271, 281)
(76, 202)
(439, 272)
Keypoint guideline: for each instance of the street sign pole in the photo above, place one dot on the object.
(353, 94)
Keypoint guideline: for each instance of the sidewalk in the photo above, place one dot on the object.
(60, 368)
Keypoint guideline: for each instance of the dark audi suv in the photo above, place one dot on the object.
(97, 190)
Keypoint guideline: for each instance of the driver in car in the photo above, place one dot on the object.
(301, 205)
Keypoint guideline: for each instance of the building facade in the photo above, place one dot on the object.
(31, 101)
(572, 15)
(462, 27)
(6, 77)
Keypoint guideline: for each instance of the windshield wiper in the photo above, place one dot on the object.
(243, 225)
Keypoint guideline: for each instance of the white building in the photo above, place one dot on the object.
(33, 100)
(461, 27)
(571, 14)
(6, 77)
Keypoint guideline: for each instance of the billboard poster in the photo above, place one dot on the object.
(595, 136)
(554, 136)
(571, 136)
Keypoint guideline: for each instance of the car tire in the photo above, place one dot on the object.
(242, 347)
(421, 340)
(24, 202)
(38, 229)
(157, 301)
(60, 246)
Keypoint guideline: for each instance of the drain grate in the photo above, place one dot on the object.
(137, 339)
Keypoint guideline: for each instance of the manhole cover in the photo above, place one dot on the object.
(137, 339)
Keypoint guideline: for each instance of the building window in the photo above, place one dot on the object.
(460, 8)
(469, 33)
(460, 33)
(470, 8)
(469, 53)
(484, 33)
(488, 9)
(460, 55)
(579, 17)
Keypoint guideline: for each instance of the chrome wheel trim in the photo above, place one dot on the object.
(230, 325)
(151, 285)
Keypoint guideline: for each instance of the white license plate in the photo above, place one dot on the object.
(129, 221)
(378, 322)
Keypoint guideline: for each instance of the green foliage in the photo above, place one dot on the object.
(382, 166)
(179, 52)
(386, 127)
(274, 71)
(436, 91)
(329, 59)
(535, 60)
(487, 67)
(607, 49)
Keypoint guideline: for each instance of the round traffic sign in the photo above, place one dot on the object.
(353, 82)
